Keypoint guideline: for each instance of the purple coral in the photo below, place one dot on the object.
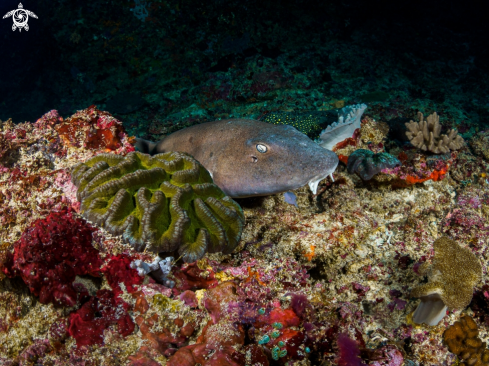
(348, 352)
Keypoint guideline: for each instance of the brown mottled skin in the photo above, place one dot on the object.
(228, 150)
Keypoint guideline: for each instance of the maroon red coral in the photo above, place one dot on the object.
(88, 323)
(51, 253)
(118, 271)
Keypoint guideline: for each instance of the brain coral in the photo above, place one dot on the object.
(366, 164)
(160, 203)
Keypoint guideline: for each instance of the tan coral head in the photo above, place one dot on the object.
(451, 280)
(425, 135)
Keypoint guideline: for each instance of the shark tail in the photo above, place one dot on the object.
(144, 146)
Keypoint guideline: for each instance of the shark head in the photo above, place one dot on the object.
(272, 159)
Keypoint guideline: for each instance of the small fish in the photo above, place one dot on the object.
(251, 158)
(291, 198)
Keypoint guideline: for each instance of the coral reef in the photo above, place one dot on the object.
(453, 275)
(91, 129)
(162, 203)
(462, 339)
(425, 135)
(310, 284)
(34, 167)
(366, 164)
(349, 354)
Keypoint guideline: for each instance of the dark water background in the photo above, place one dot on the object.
(194, 61)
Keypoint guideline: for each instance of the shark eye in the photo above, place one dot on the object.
(261, 148)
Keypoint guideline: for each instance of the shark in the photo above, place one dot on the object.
(248, 158)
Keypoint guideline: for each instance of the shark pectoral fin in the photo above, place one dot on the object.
(144, 146)
(313, 185)
(314, 182)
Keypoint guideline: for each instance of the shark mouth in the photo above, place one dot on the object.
(313, 183)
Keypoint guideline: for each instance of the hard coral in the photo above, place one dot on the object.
(454, 274)
(425, 135)
(462, 339)
(366, 164)
(160, 203)
(51, 253)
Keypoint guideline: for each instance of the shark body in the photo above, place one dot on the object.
(251, 158)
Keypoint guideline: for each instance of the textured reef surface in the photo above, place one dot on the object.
(325, 279)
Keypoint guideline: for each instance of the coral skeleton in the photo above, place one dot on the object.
(349, 120)
(159, 269)
(425, 135)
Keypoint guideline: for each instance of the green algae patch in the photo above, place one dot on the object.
(162, 203)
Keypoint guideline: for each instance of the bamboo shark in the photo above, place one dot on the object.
(251, 158)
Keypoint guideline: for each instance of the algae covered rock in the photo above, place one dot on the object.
(161, 203)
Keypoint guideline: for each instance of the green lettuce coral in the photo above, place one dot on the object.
(162, 203)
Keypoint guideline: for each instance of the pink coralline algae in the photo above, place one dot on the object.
(417, 168)
(88, 323)
(217, 343)
(94, 130)
(51, 253)
(191, 277)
